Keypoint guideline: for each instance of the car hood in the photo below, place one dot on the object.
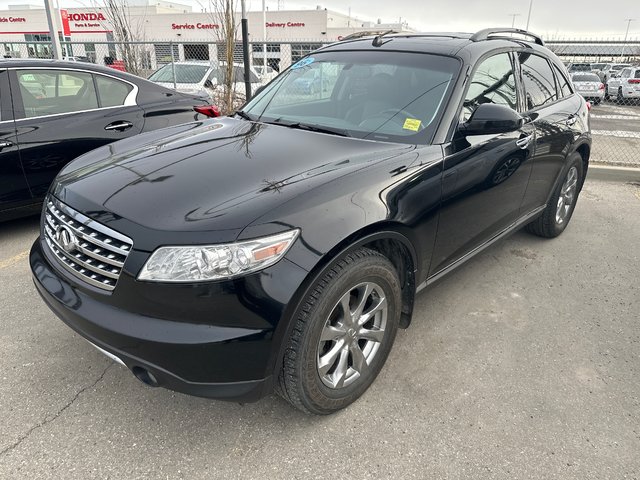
(216, 175)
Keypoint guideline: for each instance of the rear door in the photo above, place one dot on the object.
(14, 190)
(557, 120)
(64, 113)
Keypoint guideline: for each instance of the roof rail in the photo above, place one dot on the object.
(367, 33)
(487, 32)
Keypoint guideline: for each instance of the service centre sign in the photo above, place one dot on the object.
(194, 26)
(12, 20)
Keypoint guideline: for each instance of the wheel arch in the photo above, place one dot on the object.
(392, 240)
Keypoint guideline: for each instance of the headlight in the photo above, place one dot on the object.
(215, 262)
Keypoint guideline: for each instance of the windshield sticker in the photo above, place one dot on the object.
(303, 63)
(412, 124)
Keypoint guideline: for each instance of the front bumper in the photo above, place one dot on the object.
(212, 340)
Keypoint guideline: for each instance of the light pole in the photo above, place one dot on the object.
(529, 15)
(264, 37)
(53, 29)
(626, 34)
(513, 21)
(245, 51)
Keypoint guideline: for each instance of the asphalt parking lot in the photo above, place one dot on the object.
(522, 364)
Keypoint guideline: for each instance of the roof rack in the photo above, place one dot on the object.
(367, 33)
(487, 32)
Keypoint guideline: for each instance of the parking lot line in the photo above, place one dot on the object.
(13, 260)
(616, 133)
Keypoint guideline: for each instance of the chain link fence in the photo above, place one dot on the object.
(606, 72)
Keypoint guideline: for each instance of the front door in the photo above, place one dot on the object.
(485, 176)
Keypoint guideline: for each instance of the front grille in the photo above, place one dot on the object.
(86, 248)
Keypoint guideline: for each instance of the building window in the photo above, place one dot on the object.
(299, 50)
(164, 53)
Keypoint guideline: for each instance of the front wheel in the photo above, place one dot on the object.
(556, 216)
(343, 333)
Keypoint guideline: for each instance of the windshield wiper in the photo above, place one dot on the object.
(312, 128)
(244, 115)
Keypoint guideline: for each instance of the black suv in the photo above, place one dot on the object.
(282, 247)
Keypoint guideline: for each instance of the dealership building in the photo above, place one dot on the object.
(172, 30)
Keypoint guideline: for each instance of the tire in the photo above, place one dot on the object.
(620, 95)
(606, 91)
(556, 216)
(316, 379)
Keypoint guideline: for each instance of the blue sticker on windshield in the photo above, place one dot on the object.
(303, 63)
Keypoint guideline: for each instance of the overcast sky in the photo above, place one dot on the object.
(551, 18)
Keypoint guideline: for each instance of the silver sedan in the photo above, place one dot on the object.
(589, 86)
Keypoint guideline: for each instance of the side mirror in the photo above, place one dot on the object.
(208, 83)
(490, 118)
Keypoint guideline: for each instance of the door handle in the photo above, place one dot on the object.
(5, 144)
(571, 121)
(524, 142)
(119, 126)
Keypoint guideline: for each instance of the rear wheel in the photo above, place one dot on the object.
(557, 214)
(620, 96)
(343, 334)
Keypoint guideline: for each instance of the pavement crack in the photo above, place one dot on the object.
(50, 418)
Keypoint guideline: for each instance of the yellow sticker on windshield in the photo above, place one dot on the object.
(412, 124)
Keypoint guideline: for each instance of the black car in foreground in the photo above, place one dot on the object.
(54, 111)
(282, 248)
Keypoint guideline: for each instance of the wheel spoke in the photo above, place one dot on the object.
(340, 374)
(370, 313)
(357, 313)
(374, 335)
(344, 304)
(359, 362)
(331, 332)
(326, 361)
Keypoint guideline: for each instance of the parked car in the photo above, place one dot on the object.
(203, 78)
(609, 70)
(580, 67)
(54, 111)
(589, 86)
(266, 73)
(282, 248)
(625, 85)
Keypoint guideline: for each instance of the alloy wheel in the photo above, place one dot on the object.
(567, 195)
(352, 335)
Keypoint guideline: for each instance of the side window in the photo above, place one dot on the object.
(565, 87)
(626, 73)
(492, 82)
(539, 84)
(48, 92)
(112, 92)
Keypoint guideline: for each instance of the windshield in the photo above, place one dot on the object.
(389, 96)
(586, 78)
(184, 73)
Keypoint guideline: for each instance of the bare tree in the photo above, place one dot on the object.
(223, 14)
(127, 30)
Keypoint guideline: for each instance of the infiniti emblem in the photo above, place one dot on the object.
(66, 239)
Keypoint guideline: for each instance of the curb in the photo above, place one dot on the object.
(612, 173)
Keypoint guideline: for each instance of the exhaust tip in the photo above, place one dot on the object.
(145, 376)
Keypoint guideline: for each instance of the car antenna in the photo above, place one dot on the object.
(377, 41)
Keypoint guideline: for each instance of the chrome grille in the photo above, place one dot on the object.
(86, 248)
